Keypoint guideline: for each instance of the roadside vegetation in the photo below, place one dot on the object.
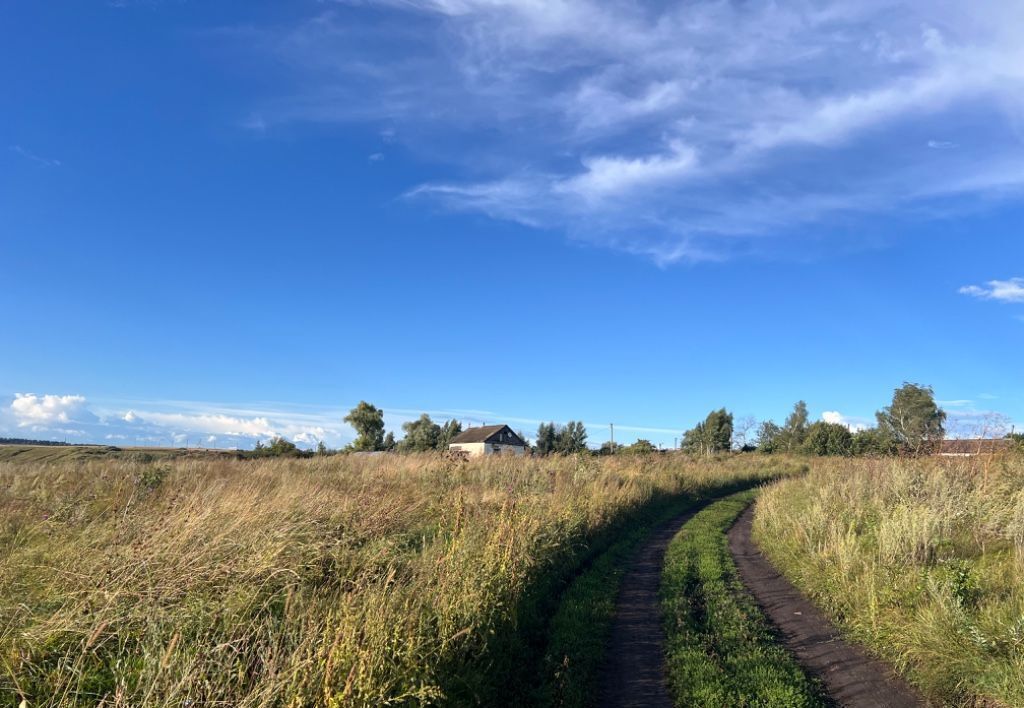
(582, 624)
(922, 560)
(721, 650)
(331, 580)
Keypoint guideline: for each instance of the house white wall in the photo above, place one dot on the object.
(471, 449)
(479, 448)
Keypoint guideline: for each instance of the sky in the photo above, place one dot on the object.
(223, 221)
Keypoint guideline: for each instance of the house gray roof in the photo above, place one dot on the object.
(489, 434)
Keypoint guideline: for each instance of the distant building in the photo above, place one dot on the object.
(979, 446)
(488, 440)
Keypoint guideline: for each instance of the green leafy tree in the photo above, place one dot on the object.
(873, 442)
(828, 439)
(768, 437)
(913, 420)
(791, 439)
(609, 448)
(321, 449)
(389, 442)
(641, 447)
(368, 421)
(522, 436)
(1017, 440)
(420, 435)
(547, 439)
(448, 432)
(277, 447)
(712, 435)
(280, 446)
(572, 438)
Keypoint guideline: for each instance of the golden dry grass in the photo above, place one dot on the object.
(923, 560)
(343, 580)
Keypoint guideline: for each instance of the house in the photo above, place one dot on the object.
(968, 448)
(488, 440)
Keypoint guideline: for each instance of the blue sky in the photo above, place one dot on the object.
(222, 221)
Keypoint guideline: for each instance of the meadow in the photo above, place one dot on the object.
(343, 580)
(920, 560)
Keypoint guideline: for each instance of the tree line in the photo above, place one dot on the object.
(911, 424)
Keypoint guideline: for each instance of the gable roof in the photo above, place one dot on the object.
(489, 434)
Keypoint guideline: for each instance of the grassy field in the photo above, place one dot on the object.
(52, 454)
(721, 649)
(395, 580)
(923, 561)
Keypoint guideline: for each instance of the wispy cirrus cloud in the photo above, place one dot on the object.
(40, 161)
(678, 131)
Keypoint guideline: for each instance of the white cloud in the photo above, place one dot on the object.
(607, 176)
(32, 410)
(206, 422)
(776, 116)
(1011, 290)
(839, 419)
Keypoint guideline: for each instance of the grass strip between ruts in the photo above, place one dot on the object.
(580, 629)
(721, 650)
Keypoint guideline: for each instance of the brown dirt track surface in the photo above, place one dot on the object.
(850, 675)
(634, 671)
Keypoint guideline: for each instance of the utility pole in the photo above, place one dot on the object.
(612, 427)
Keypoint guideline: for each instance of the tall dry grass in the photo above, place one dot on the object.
(332, 581)
(923, 560)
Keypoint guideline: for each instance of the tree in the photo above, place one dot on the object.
(609, 448)
(572, 438)
(321, 449)
(1017, 440)
(872, 441)
(640, 447)
(794, 430)
(277, 447)
(448, 432)
(828, 439)
(712, 435)
(913, 421)
(741, 432)
(368, 421)
(420, 435)
(389, 442)
(768, 437)
(547, 439)
(280, 446)
(522, 436)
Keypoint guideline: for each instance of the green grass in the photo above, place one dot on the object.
(580, 628)
(721, 650)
